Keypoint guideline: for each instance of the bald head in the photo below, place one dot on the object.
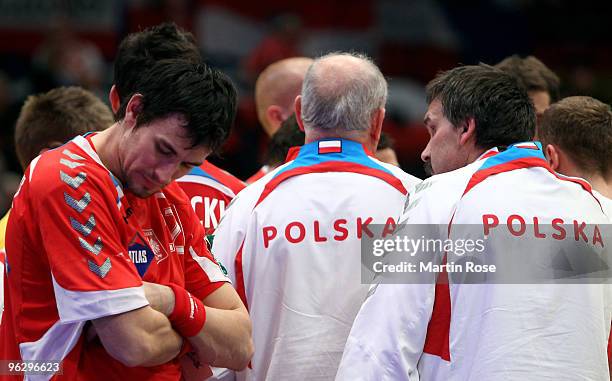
(342, 92)
(276, 89)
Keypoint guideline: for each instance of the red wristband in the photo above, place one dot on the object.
(189, 315)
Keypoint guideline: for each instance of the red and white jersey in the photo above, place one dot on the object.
(2, 268)
(210, 190)
(78, 249)
(292, 243)
(259, 174)
(452, 331)
(606, 203)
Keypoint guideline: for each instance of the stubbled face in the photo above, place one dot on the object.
(153, 155)
(541, 101)
(443, 152)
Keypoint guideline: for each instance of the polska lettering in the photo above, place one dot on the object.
(297, 231)
(557, 228)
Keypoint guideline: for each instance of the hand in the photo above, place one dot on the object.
(160, 297)
(192, 369)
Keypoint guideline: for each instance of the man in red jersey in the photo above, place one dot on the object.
(96, 217)
(209, 188)
(46, 121)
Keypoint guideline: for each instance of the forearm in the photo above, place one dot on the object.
(225, 340)
(143, 337)
(163, 343)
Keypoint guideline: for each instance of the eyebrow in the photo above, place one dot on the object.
(170, 147)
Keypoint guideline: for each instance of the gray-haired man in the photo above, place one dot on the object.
(292, 240)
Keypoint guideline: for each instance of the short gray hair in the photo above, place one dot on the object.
(346, 104)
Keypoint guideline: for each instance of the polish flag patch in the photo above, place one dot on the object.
(528, 145)
(330, 146)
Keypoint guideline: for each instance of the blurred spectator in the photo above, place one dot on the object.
(67, 60)
(282, 42)
(406, 103)
(9, 109)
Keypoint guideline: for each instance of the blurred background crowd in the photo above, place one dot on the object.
(50, 43)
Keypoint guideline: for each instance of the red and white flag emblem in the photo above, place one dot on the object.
(330, 146)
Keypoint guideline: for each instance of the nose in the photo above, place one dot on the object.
(163, 173)
(426, 154)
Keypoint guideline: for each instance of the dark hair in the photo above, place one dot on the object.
(139, 51)
(385, 142)
(203, 95)
(581, 127)
(287, 136)
(532, 74)
(57, 116)
(501, 108)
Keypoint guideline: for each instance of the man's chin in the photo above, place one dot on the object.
(144, 193)
(428, 169)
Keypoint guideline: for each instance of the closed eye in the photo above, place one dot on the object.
(164, 150)
(431, 129)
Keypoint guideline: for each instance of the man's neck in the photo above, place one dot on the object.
(356, 136)
(600, 184)
(105, 143)
(597, 181)
(475, 154)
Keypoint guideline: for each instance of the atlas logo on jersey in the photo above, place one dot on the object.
(140, 253)
(339, 230)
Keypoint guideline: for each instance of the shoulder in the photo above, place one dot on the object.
(450, 184)
(248, 198)
(224, 177)
(67, 169)
(432, 200)
(407, 179)
(208, 178)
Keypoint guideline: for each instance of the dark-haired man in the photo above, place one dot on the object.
(541, 83)
(209, 188)
(494, 187)
(100, 215)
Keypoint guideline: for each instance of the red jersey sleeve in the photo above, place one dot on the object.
(203, 273)
(84, 231)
